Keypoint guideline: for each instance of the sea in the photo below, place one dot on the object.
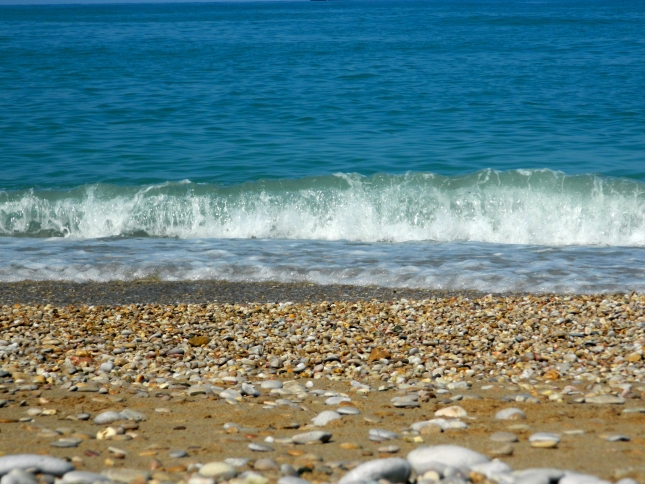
(495, 146)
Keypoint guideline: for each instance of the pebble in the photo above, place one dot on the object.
(325, 417)
(18, 476)
(83, 477)
(451, 412)
(504, 437)
(544, 440)
(605, 400)
(393, 469)
(41, 463)
(177, 454)
(237, 461)
(337, 400)
(380, 435)
(255, 447)
(218, 470)
(348, 411)
(127, 476)
(510, 414)
(108, 418)
(424, 459)
(266, 465)
(314, 437)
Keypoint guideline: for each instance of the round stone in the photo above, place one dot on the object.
(218, 470)
(544, 440)
(348, 411)
(451, 412)
(510, 414)
(325, 417)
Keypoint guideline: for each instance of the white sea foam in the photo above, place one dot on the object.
(539, 207)
(448, 265)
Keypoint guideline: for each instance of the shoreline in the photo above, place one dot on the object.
(116, 293)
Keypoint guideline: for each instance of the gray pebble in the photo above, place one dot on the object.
(109, 417)
(288, 470)
(348, 411)
(45, 464)
(380, 435)
(325, 417)
(271, 384)
(18, 476)
(254, 446)
(177, 454)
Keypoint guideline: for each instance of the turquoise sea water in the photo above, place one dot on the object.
(488, 145)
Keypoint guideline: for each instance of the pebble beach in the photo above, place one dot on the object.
(449, 388)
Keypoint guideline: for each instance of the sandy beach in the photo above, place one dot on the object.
(196, 383)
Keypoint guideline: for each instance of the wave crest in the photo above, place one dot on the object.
(536, 207)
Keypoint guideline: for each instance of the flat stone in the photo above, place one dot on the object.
(380, 435)
(255, 447)
(41, 463)
(510, 414)
(544, 440)
(634, 410)
(271, 384)
(218, 470)
(423, 459)
(109, 417)
(316, 436)
(177, 454)
(83, 477)
(325, 417)
(337, 400)
(605, 400)
(504, 437)
(393, 469)
(404, 402)
(389, 449)
(127, 475)
(451, 412)
(348, 411)
(66, 443)
(540, 475)
(195, 390)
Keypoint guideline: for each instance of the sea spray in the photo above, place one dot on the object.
(538, 207)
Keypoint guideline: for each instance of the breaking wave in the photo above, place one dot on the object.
(536, 207)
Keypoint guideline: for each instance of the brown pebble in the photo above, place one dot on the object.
(295, 452)
(174, 469)
(349, 445)
(155, 464)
